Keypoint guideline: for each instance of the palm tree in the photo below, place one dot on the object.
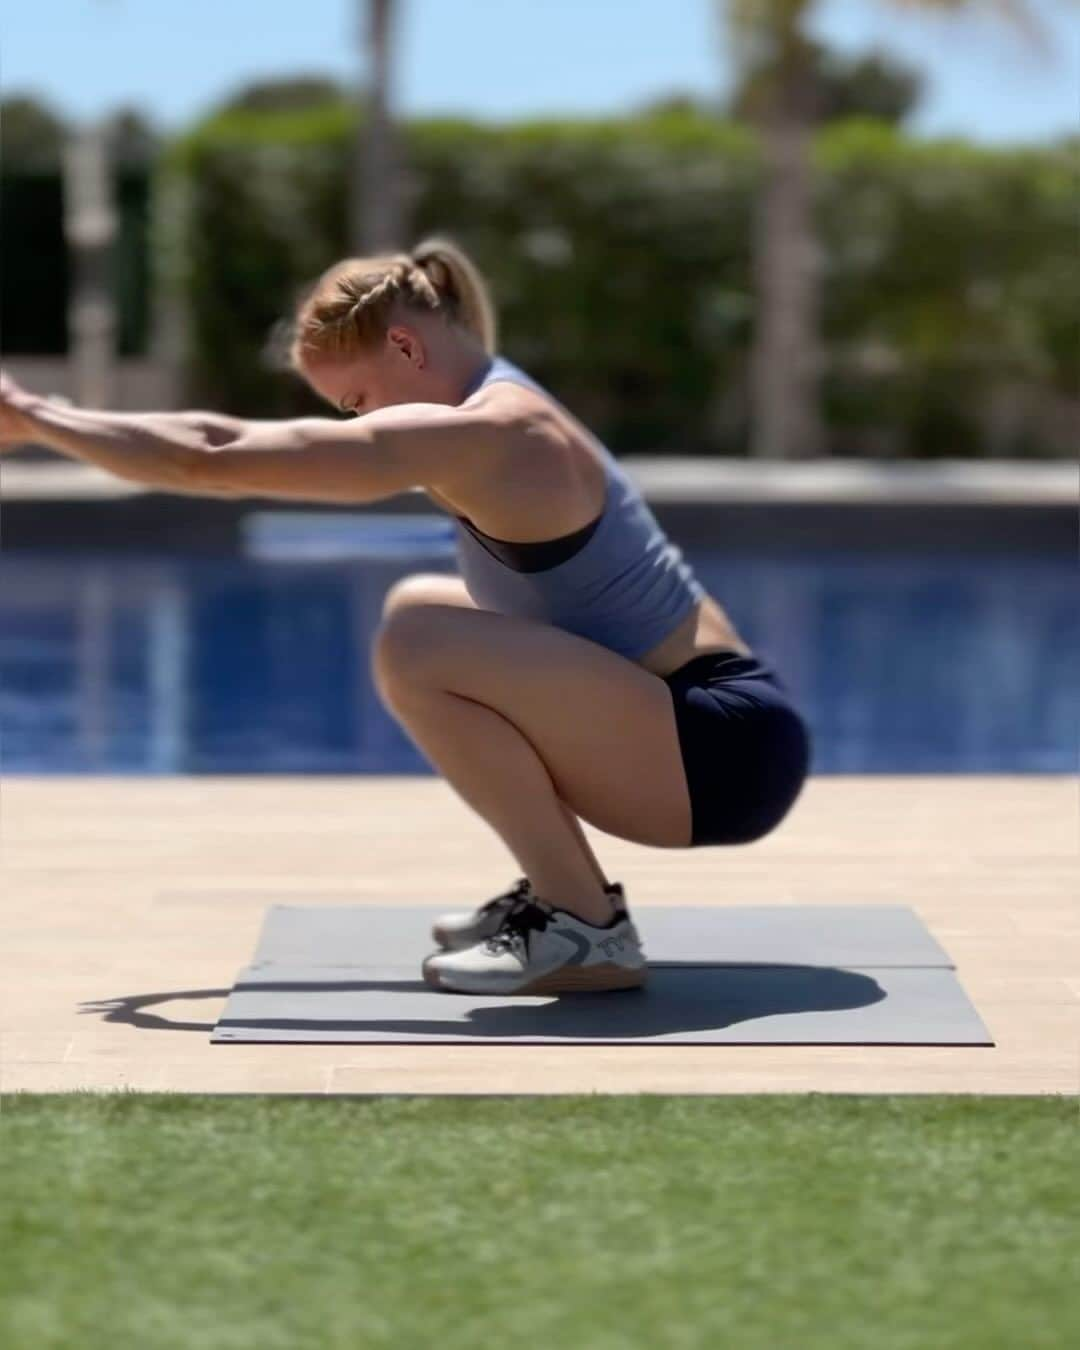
(375, 199)
(769, 40)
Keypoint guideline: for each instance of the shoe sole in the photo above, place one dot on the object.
(567, 980)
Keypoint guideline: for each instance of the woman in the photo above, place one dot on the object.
(576, 668)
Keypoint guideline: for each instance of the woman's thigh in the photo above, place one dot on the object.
(603, 725)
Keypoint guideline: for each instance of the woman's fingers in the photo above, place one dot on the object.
(15, 423)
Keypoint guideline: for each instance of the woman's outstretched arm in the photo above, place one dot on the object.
(363, 459)
(161, 450)
(357, 460)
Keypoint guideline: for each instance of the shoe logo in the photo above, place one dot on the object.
(610, 945)
(578, 941)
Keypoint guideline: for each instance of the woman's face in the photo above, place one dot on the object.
(393, 372)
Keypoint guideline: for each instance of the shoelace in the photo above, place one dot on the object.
(509, 899)
(517, 893)
(526, 917)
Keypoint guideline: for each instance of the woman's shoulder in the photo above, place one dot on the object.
(535, 420)
(546, 468)
(506, 386)
(526, 417)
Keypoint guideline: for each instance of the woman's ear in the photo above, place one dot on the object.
(407, 342)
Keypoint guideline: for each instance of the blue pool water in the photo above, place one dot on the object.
(260, 664)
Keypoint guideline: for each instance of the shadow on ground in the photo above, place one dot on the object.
(676, 999)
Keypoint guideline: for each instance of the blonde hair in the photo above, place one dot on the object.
(348, 308)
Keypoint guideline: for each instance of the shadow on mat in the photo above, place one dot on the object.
(676, 999)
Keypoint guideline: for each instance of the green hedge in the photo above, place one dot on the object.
(619, 255)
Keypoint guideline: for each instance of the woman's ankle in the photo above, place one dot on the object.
(598, 914)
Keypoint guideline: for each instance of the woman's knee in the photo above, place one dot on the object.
(421, 588)
(397, 645)
(411, 644)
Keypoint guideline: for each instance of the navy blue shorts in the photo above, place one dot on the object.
(746, 748)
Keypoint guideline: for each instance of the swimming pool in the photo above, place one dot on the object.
(160, 664)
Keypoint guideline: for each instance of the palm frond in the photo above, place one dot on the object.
(1020, 13)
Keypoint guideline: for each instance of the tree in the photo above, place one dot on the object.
(871, 84)
(286, 95)
(375, 202)
(32, 135)
(131, 138)
(775, 57)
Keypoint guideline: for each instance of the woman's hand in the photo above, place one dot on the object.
(16, 420)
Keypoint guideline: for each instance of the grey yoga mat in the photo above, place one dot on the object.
(759, 974)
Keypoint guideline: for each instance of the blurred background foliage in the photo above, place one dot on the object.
(619, 253)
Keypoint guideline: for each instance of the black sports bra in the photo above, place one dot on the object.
(533, 555)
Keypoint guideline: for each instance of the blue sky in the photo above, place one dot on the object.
(505, 59)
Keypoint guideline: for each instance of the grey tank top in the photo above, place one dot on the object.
(618, 581)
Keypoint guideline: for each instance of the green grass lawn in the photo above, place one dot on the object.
(159, 1221)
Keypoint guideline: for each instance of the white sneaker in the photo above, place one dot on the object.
(543, 950)
(465, 928)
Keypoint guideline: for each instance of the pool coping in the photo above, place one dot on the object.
(694, 480)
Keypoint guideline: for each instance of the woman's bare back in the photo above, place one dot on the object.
(551, 484)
